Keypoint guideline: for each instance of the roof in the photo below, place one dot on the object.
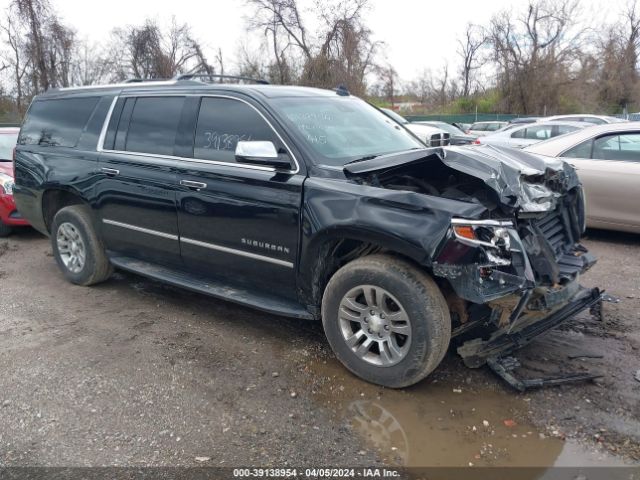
(557, 145)
(191, 86)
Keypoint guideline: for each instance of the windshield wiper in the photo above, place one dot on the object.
(368, 157)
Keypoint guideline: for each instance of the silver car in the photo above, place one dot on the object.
(588, 118)
(480, 129)
(528, 134)
(607, 158)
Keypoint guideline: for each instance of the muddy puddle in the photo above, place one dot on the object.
(436, 424)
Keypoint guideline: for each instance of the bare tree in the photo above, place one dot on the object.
(14, 57)
(534, 53)
(388, 82)
(341, 52)
(469, 50)
(151, 52)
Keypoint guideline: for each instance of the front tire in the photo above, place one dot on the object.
(5, 230)
(386, 320)
(76, 247)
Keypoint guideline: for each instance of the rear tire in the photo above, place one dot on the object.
(76, 247)
(397, 309)
(5, 230)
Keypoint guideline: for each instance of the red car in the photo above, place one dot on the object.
(9, 216)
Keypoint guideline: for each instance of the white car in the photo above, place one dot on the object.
(529, 133)
(593, 119)
(431, 136)
(607, 158)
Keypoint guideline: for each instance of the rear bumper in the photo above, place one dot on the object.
(525, 328)
(9, 215)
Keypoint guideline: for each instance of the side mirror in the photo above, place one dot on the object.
(261, 153)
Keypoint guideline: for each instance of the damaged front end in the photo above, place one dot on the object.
(518, 277)
(512, 272)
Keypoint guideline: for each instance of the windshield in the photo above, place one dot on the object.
(343, 129)
(396, 116)
(447, 127)
(7, 144)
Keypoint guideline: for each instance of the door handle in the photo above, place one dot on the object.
(193, 185)
(110, 172)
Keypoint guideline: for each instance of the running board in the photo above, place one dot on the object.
(504, 367)
(207, 286)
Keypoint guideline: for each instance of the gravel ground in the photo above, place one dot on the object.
(132, 372)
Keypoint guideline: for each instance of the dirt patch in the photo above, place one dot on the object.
(133, 372)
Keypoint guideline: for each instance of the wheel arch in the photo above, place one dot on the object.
(54, 199)
(328, 251)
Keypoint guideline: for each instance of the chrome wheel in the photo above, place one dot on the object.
(375, 325)
(71, 247)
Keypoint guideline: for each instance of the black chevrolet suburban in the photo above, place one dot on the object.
(311, 204)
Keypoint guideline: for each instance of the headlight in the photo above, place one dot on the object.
(494, 237)
(487, 233)
(6, 183)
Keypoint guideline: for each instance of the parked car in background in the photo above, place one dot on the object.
(479, 129)
(462, 126)
(456, 136)
(607, 158)
(528, 134)
(520, 120)
(9, 216)
(431, 136)
(594, 119)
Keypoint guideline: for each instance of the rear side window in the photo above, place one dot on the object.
(222, 123)
(582, 150)
(153, 125)
(562, 129)
(480, 127)
(519, 133)
(58, 122)
(538, 132)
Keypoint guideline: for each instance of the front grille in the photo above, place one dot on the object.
(439, 140)
(554, 229)
(564, 258)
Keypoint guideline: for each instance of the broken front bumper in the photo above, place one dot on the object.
(525, 328)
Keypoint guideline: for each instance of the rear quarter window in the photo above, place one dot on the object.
(58, 122)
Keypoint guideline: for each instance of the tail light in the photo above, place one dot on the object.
(476, 141)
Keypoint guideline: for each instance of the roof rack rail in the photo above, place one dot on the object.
(211, 76)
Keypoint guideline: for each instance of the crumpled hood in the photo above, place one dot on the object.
(524, 181)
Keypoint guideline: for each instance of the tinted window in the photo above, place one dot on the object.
(153, 125)
(617, 147)
(222, 123)
(519, 133)
(492, 127)
(582, 150)
(562, 129)
(595, 121)
(57, 122)
(481, 127)
(538, 132)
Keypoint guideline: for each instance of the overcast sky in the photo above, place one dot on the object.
(418, 33)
